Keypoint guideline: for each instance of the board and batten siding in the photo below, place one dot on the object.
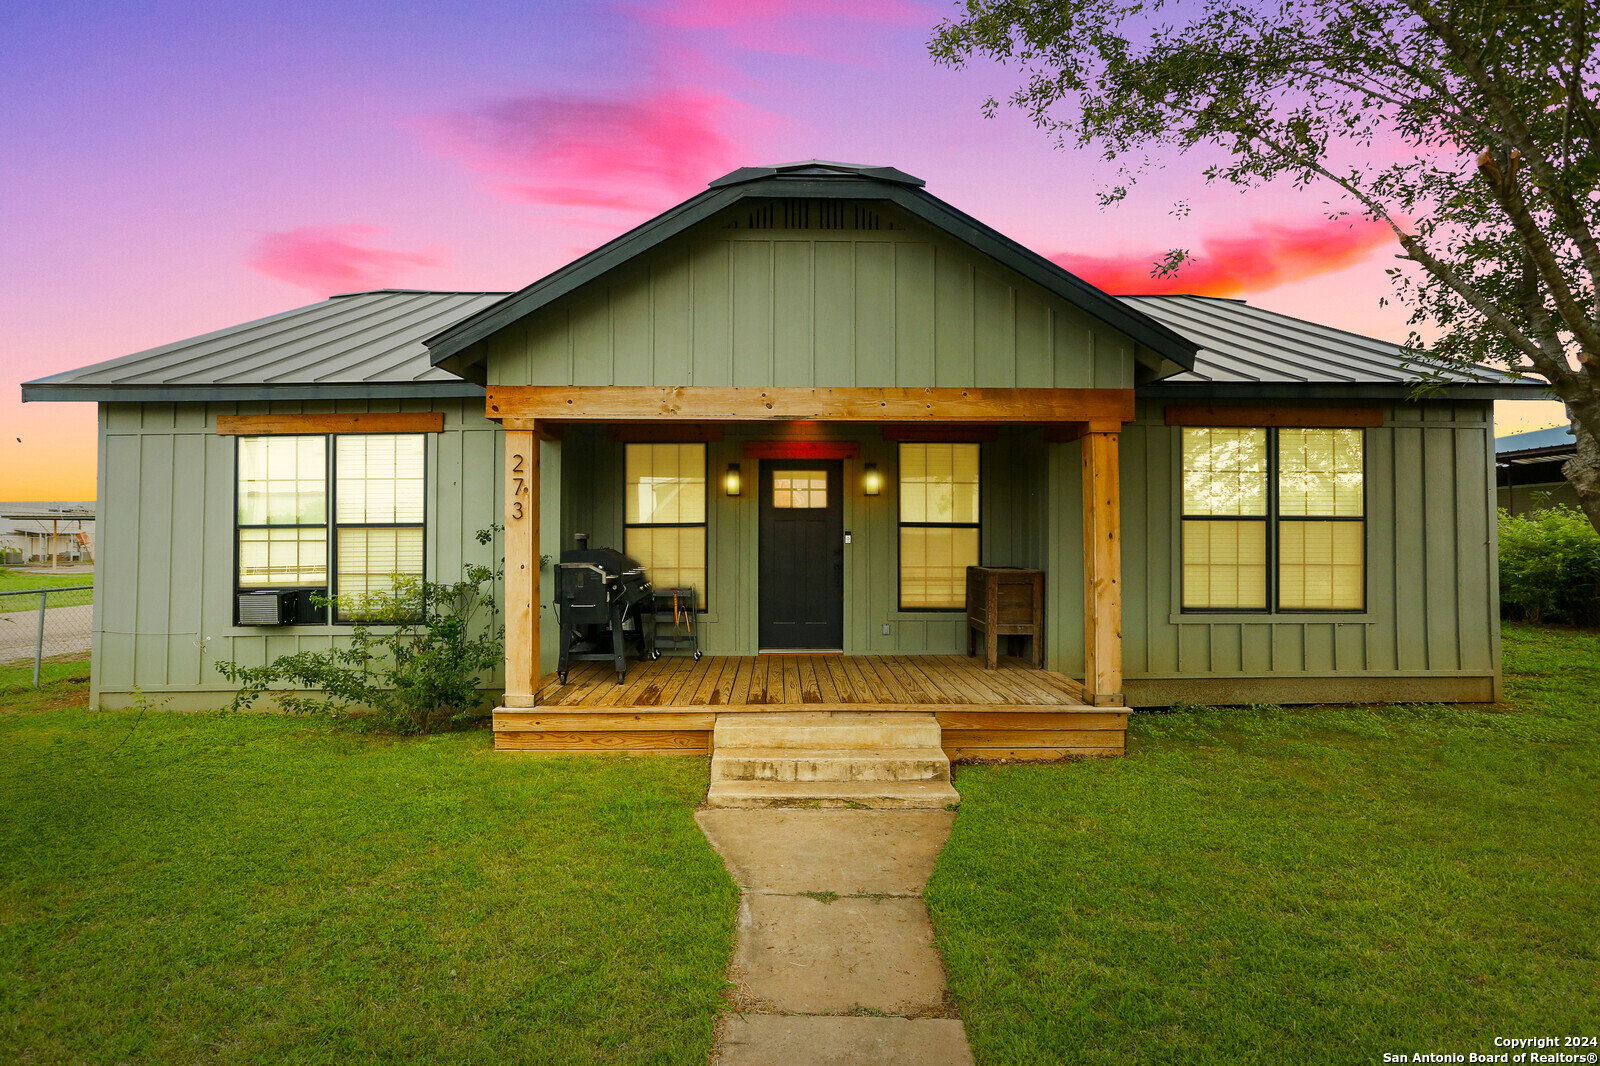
(900, 307)
(163, 611)
(1431, 627)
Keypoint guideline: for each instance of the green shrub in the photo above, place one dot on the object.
(1550, 566)
(420, 674)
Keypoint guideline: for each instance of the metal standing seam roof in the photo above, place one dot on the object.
(366, 344)
(1252, 351)
(371, 344)
(1537, 446)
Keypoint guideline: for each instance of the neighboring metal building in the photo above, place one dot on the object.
(1528, 470)
(41, 534)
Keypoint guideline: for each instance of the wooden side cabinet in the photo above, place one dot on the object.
(1005, 601)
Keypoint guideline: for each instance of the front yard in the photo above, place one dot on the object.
(1307, 886)
(251, 888)
(1249, 885)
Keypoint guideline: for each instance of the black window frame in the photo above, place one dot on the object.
(899, 568)
(327, 615)
(1272, 519)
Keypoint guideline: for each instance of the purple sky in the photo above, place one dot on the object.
(176, 167)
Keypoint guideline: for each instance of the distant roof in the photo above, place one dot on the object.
(1538, 446)
(1252, 351)
(357, 344)
(816, 179)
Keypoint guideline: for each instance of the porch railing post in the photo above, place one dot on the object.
(522, 568)
(1102, 566)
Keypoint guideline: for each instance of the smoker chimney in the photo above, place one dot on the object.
(583, 541)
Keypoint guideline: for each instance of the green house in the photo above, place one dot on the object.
(812, 397)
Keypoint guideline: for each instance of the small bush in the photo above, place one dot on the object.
(1550, 567)
(420, 675)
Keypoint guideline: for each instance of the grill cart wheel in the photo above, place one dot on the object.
(620, 676)
(563, 678)
(697, 656)
(654, 655)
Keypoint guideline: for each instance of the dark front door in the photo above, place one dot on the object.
(802, 553)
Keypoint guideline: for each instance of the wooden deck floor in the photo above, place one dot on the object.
(671, 706)
(758, 681)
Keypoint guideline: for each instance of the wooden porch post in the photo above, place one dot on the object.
(1102, 566)
(522, 567)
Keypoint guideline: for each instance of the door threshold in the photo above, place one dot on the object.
(801, 651)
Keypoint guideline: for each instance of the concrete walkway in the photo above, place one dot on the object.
(835, 960)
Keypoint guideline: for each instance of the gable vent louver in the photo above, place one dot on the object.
(796, 214)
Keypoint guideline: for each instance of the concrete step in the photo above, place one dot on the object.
(829, 764)
(900, 795)
(827, 729)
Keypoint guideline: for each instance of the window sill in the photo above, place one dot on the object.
(935, 615)
(1364, 618)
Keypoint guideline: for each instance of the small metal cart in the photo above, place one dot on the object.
(676, 624)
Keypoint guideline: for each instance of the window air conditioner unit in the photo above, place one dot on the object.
(269, 607)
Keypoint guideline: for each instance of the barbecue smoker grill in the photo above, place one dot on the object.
(604, 605)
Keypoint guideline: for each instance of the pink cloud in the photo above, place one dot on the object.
(597, 151)
(330, 259)
(1271, 255)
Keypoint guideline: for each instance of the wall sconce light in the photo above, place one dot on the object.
(730, 481)
(871, 480)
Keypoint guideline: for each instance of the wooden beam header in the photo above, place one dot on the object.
(288, 425)
(1297, 417)
(512, 404)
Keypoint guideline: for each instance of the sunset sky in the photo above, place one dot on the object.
(174, 167)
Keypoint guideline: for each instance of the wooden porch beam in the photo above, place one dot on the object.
(513, 405)
(522, 568)
(1102, 571)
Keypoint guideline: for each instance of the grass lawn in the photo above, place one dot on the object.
(16, 677)
(13, 580)
(252, 888)
(1302, 885)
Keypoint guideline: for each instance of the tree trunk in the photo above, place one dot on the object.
(1583, 473)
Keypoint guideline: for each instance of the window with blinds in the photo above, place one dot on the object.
(664, 514)
(939, 524)
(1225, 519)
(283, 511)
(1321, 520)
(364, 534)
(379, 505)
(1273, 518)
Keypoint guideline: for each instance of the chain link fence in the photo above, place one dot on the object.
(44, 635)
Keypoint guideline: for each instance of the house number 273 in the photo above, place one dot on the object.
(519, 487)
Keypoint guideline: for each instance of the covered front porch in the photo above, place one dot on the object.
(671, 706)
